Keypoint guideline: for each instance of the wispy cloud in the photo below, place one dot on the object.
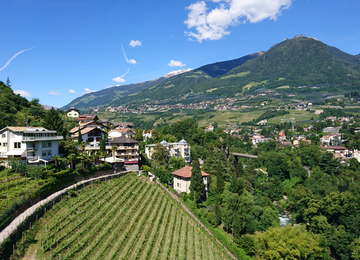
(176, 63)
(72, 91)
(87, 91)
(120, 79)
(135, 43)
(55, 93)
(213, 24)
(13, 57)
(131, 61)
(23, 93)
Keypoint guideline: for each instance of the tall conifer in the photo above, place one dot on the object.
(220, 185)
(197, 184)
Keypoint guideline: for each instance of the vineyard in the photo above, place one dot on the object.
(15, 190)
(124, 218)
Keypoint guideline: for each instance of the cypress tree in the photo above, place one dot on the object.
(80, 137)
(220, 184)
(197, 183)
(239, 169)
(102, 144)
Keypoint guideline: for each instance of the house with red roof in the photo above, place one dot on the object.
(182, 179)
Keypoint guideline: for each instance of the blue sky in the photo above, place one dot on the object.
(56, 50)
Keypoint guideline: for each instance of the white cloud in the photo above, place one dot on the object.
(176, 72)
(132, 61)
(135, 43)
(119, 80)
(176, 63)
(23, 93)
(213, 24)
(72, 91)
(87, 91)
(55, 93)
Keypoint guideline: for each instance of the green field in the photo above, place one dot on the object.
(124, 218)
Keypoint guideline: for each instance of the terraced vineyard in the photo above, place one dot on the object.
(15, 190)
(125, 218)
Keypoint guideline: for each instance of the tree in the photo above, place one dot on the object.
(113, 150)
(290, 242)
(196, 182)
(8, 82)
(239, 169)
(102, 144)
(160, 154)
(56, 158)
(53, 121)
(72, 157)
(220, 184)
(176, 163)
(80, 140)
(83, 158)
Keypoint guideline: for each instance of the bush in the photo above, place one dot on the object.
(35, 172)
(104, 167)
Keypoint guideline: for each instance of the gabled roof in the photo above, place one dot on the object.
(185, 172)
(86, 130)
(123, 130)
(124, 140)
(23, 128)
(72, 108)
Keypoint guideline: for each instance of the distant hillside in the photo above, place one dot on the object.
(161, 88)
(358, 55)
(293, 62)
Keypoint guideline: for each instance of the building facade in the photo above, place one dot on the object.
(32, 144)
(73, 112)
(179, 150)
(182, 179)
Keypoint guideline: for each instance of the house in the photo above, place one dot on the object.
(210, 128)
(331, 139)
(127, 151)
(32, 144)
(123, 124)
(147, 134)
(262, 122)
(182, 179)
(73, 112)
(357, 155)
(87, 118)
(180, 149)
(117, 132)
(332, 130)
(282, 136)
(91, 135)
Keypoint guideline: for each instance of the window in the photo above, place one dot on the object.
(4, 144)
(46, 144)
(3, 135)
(45, 153)
(17, 145)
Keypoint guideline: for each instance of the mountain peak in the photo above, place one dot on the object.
(176, 72)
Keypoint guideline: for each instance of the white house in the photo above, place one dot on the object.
(180, 149)
(182, 179)
(33, 144)
(73, 112)
(117, 132)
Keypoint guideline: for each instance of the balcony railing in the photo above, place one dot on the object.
(41, 138)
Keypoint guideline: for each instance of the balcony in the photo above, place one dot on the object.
(41, 138)
(31, 149)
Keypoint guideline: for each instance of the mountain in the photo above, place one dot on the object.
(160, 88)
(358, 56)
(293, 62)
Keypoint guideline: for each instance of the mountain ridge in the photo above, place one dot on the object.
(293, 62)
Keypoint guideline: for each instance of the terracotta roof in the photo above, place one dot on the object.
(85, 131)
(123, 130)
(186, 172)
